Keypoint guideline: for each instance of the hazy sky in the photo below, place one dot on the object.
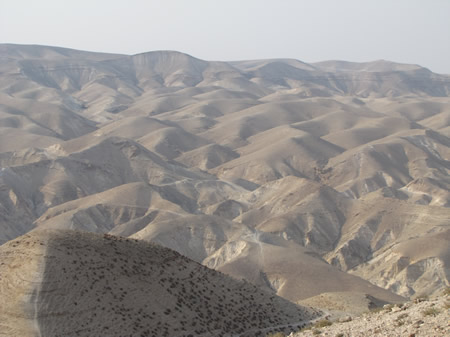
(407, 31)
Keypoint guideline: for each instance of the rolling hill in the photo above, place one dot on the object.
(331, 171)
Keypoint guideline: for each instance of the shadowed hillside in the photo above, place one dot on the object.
(79, 284)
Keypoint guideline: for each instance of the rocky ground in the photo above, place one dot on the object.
(421, 317)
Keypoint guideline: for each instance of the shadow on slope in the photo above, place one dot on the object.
(94, 285)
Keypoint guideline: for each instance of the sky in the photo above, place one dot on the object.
(405, 31)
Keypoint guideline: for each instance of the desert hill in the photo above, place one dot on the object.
(111, 285)
(340, 166)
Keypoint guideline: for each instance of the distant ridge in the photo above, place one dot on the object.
(172, 68)
(373, 66)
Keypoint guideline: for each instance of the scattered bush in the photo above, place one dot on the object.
(399, 323)
(379, 309)
(322, 323)
(421, 298)
(276, 334)
(430, 312)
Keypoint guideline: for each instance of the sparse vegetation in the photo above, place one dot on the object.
(379, 309)
(276, 334)
(430, 312)
(421, 298)
(197, 300)
(322, 323)
(399, 323)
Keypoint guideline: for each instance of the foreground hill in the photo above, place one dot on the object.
(80, 284)
(345, 166)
